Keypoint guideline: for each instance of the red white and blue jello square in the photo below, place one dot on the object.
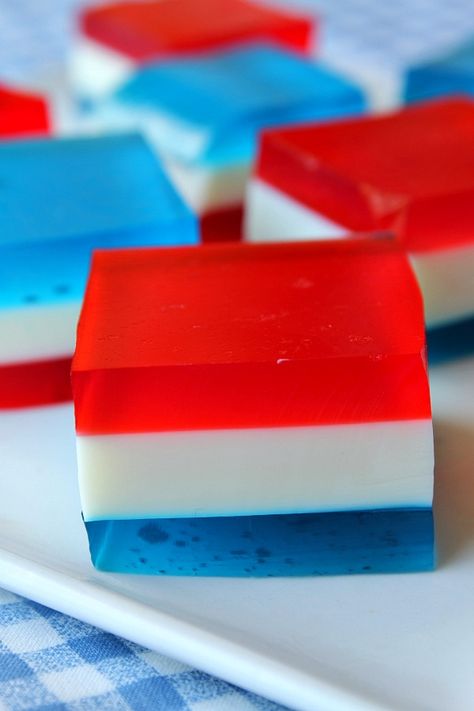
(411, 172)
(255, 410)
(204, 113)
(118, 37)
(22, 113)
(59, 200)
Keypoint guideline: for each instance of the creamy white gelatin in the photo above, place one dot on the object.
(251, 471)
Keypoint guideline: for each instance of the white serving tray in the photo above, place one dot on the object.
(398, 642)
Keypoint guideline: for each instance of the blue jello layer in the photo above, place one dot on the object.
(62, 198)
(378, 541)
(232, 94)
(450, 75)
(453, 340)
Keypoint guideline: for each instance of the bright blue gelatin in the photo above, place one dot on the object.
(60, 199)
(448, 75)
(379, 541)
(453, 340)
(232, 94)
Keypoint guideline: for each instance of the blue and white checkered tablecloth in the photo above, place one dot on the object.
(49, 661)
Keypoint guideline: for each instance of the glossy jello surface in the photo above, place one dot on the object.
(22, 113)
(250, 336)
(62, 198)
(210, 107)
(384, 541)
(149, 30)
(411, 171)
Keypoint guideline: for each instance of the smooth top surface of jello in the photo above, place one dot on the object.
(149, 30)
(22, 113)
(412, 171)
(211, 106)
(61, 198)
(250, 335)
(451, 74)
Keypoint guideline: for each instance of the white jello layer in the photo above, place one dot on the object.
(97, 70)
(252, 471)
(36, 333)
(445, 276)
(209, 188)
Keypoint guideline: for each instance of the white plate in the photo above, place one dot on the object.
(346, 643)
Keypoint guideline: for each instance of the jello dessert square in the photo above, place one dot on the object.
(254, 410)
(60, 200)
(22, 113)
(203, 114)
(446, 75)
(410, 172)
(115, 39)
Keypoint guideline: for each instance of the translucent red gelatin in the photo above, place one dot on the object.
(22, 114)
(411, 171)
(232, 335)
(35, 383)
(149, 30)
(223, 225)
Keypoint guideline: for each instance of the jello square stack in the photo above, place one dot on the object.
(255, 410)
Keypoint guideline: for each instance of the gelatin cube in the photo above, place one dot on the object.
(250, 336)
(81, 194)
(22, 113)
(209, 108)
(384, 541)
(150, 30)
(410, 171)
(451, 74)
(284, 408)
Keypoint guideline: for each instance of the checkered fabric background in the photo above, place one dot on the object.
(49, 661)
(35, 34)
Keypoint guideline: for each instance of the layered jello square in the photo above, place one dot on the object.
(449, 74)
(254, 410)
(115, 39)
(411, 172)
(60, 199)
(203, 114)
(22, 113)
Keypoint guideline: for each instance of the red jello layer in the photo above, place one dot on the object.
(411, 171)
(35, 383)
(22, 114)
(150, 30)
(223, 225)
(235, 335)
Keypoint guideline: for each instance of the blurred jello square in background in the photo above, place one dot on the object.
(203, 114)
(228, 411)
(411, 172)
(450, 74)
(22, 113)
(114, 39)
(60, 200)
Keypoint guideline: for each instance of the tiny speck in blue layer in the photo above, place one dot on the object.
(379, 541)
(230, 95)
(62, 198)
